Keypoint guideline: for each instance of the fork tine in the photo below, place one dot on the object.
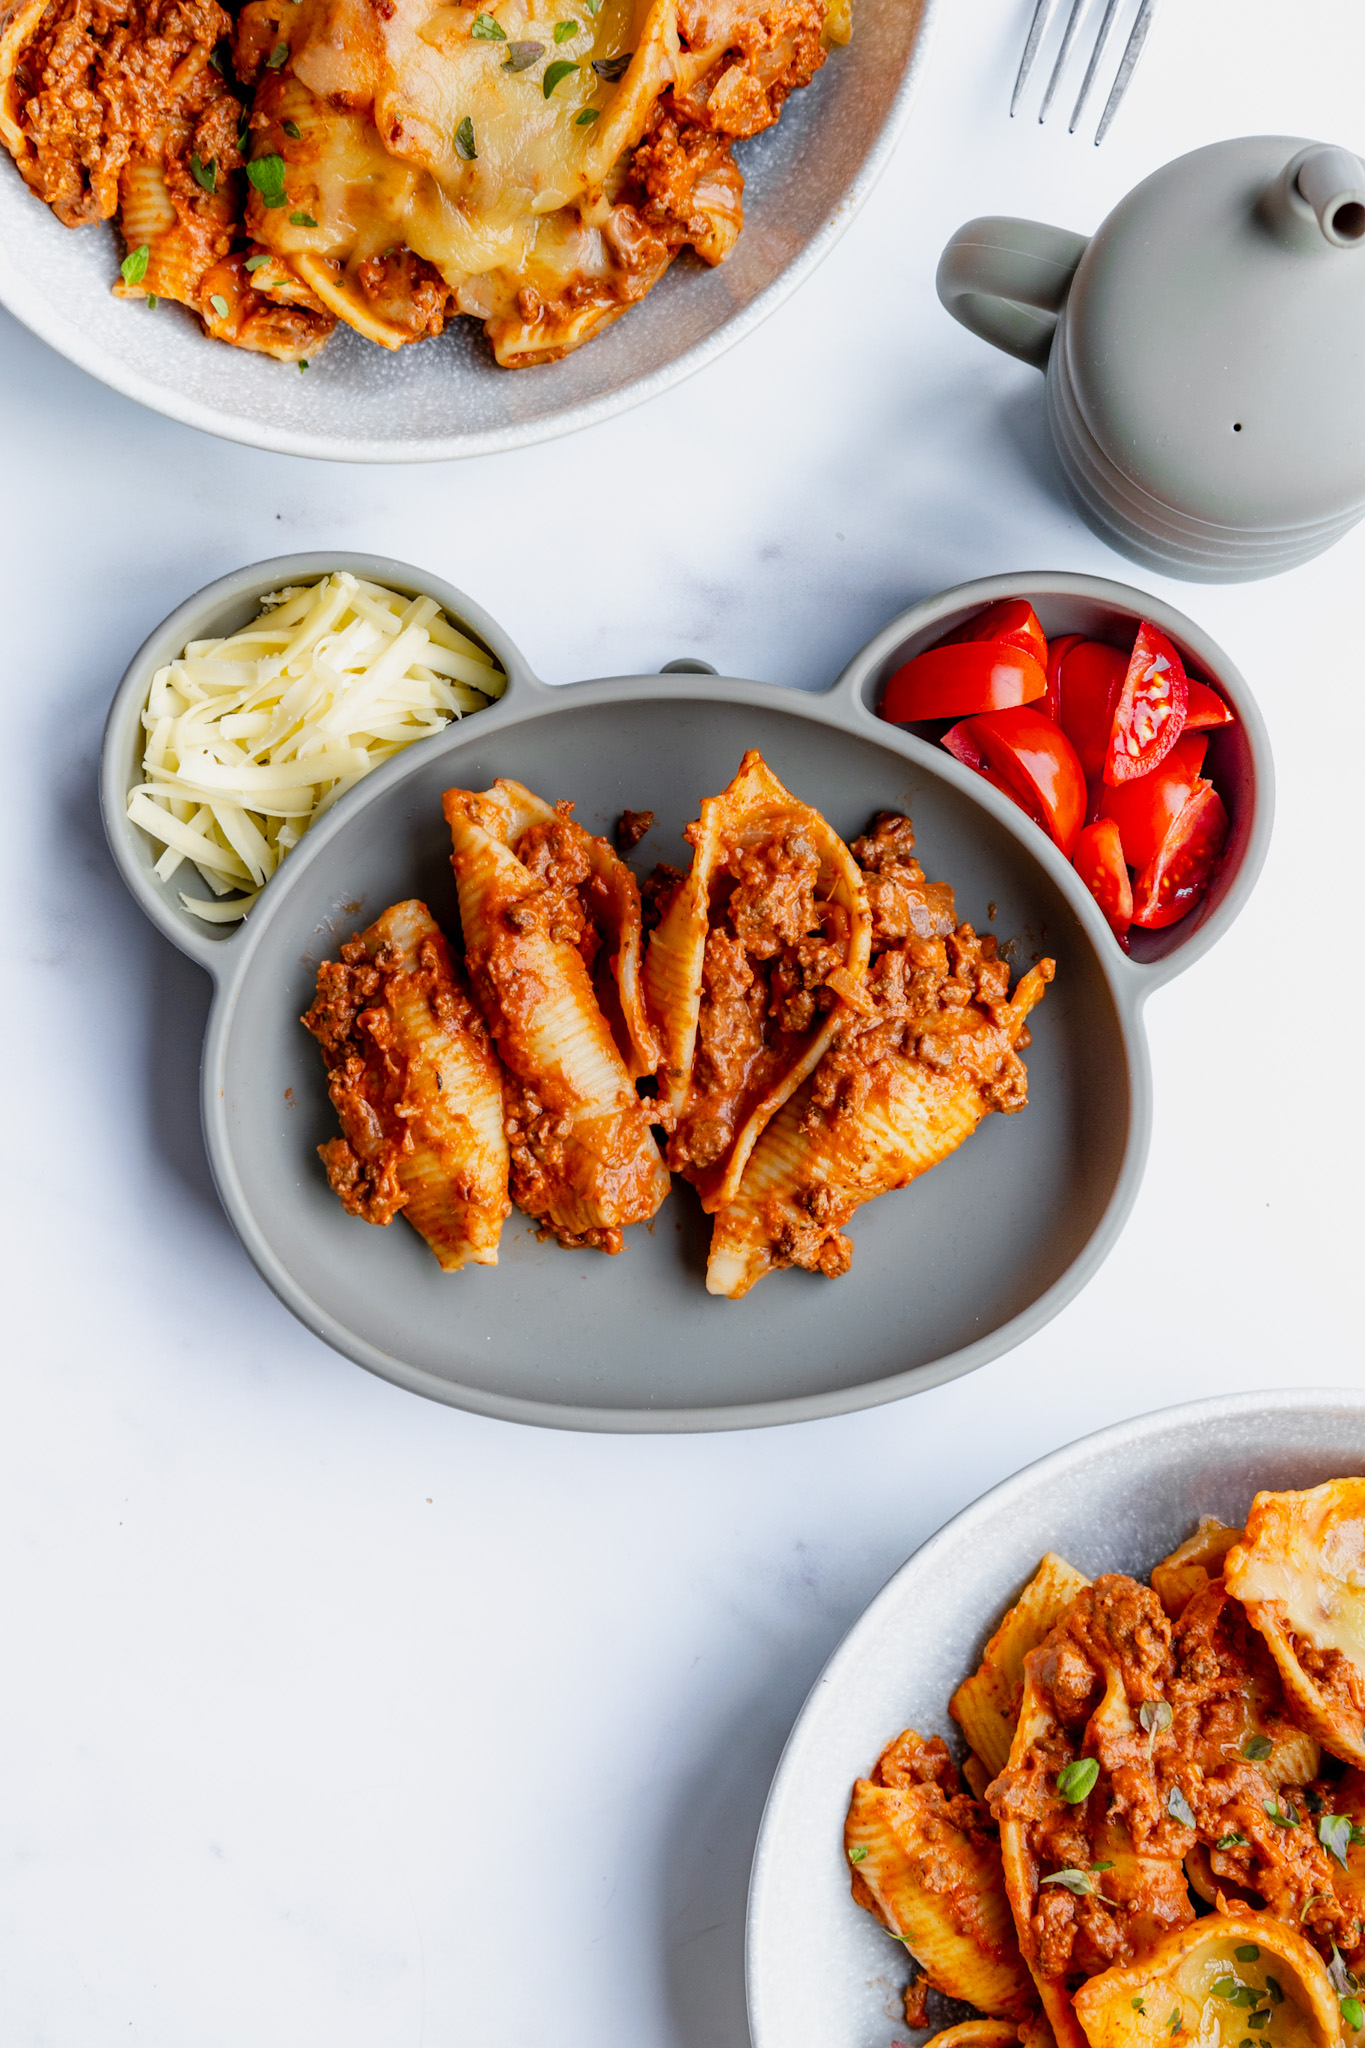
(1073, 23)
(1093, 66)
(1126, 68)
(1042, 15)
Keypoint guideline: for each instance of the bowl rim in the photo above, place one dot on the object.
(845, 706)
(1053, 1471)
(20, 295)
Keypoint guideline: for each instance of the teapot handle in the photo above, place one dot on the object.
(1007, 281)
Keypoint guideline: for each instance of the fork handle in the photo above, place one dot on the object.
(1007, 281)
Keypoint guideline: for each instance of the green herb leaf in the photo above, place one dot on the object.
(858, 1855)
(204, 174)
(1274, 1989)
(1155, 1716)
(255, 262)
(134, 264)
(1173, 2022)
(291, 129)
(1179, 1808)
(1078, 1881)
(1138, 2004)
(592, 7)
(277, 58)
(1247, 1953)
(1231, 1840)
(586, 118)
(487, 30)
(1257, 1748)
(302, 220)
(1283, 1816)
(1245, 1994)
(151, 302)
(556, 73)
(1336, 1832)
(1223, 1987)
(1102, 1866)
(219, 304)
(521, 56)
(1342, 1979)
(303, 362)
(565, 31)
(1258, 2019)
(1077, 1780)
(1352, 2012)
(612, 68)
(267, 175)
(216, 60)
(243, 136)
(464, 140)
(1308, 1903)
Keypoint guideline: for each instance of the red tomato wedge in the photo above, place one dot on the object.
(1099, 862)
(1174, 882)
(1013, 620)
(1089, 682)
(1057, 650)
(1150, 714)
(1205, 707)
(1145, 810)
(954, 682)
(1037, 761)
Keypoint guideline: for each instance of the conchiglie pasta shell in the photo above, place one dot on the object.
(1192, 1565)
(940, 1893)
(1167, 1996)
(455, 1175)
(617, 902)
(17, 32)
(976, 2034)
(1299, 1571)
(913, 1116)
(986, 1705)
(753, 810)
(538, 1000)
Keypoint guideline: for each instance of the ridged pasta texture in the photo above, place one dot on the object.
(905, 1073)
(749, 971)
(584, 1161)
(417, 1087)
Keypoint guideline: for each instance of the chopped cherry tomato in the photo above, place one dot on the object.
(1150, 714)
(1145, 810)
(1099, 862)
(1012, 620)
(1035, 758)
(1176, 879)
(954, 682)
(1205, 707)
(1090, 679)
(1057, 650)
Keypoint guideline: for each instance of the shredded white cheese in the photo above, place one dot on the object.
(250, 739)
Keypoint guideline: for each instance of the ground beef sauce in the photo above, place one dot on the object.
(367, 1068)
(1114, 1651)
(771, 946)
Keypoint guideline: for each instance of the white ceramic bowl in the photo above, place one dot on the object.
(804, 181)
(821, 1973)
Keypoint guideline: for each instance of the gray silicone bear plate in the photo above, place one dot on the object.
(947, 1273)
(821, 1973)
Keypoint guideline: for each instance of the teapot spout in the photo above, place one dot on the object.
(1319, 197)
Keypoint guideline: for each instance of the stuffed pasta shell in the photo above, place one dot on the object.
(926, 1048)
(756, 954)
(551, 917)
(414, 1079)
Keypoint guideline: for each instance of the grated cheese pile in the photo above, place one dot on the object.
(251, 739)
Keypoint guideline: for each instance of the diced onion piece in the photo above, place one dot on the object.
(250, 738)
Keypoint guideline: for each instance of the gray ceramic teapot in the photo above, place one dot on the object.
(1204, 351)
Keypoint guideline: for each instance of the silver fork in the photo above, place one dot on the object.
(1038, 27)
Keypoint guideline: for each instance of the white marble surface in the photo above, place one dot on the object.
(338, 1720)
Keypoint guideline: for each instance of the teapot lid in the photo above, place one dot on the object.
(1214, 335)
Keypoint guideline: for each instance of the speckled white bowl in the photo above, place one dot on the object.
(821, 1973)
(804, 181)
